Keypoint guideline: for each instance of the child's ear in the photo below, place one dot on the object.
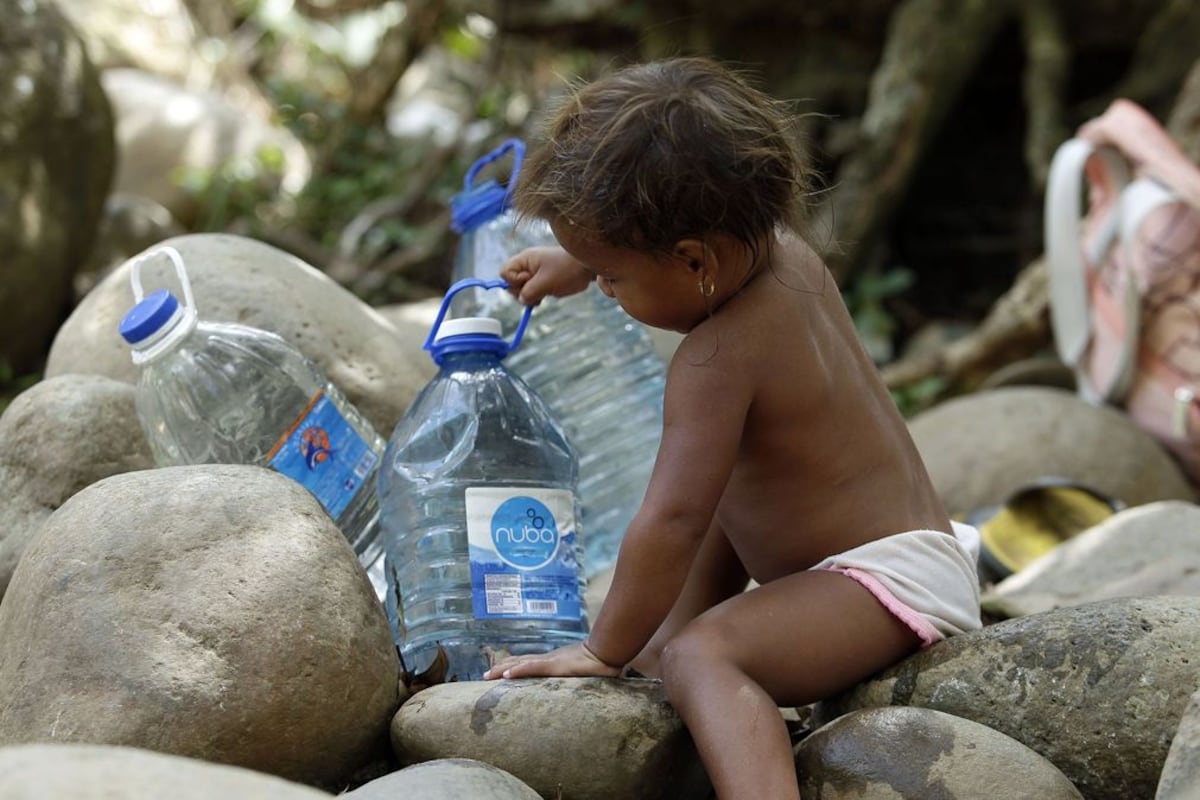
(694, 253)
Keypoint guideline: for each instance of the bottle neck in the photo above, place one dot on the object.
(181, 323)
(472, 360)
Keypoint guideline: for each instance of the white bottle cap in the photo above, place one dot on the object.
(468, 325)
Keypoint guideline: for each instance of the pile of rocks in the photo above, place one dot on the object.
(207, 631)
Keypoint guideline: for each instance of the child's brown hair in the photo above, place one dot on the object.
(667, 150)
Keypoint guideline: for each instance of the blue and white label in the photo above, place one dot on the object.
(522, 543)
(324, 453)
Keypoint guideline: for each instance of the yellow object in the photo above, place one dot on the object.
(1038, 519)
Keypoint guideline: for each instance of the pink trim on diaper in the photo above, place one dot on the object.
(910, 617)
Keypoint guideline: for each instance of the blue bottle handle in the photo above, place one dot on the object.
(518, 150)
(467, 283)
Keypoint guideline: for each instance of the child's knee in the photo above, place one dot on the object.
(693, 650)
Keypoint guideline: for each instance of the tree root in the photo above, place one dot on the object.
(932, 48)
(1047, 58)
(1017, 326)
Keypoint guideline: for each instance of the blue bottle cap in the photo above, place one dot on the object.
(148, 316)
(475, 205)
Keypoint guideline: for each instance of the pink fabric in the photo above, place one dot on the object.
(910, 617)
(926, 578)
(1131, 129)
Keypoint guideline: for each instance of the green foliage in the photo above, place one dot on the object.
(866, 297)
(12, 383)
(243, 187)
(369, 165)
(463, 43)
(920, 395)
(308, 67)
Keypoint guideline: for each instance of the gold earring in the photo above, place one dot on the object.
(706, 290)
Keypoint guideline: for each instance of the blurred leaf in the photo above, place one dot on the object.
(463, 43)
(865, 298)
(920, 395)
(12, 383)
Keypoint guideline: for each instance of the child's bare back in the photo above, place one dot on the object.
(825, 461)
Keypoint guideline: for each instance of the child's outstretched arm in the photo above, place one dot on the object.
(704, 410)
(539, 272)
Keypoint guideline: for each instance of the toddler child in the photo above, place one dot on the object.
(676, 186)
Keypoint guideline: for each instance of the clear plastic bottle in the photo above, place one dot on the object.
(593, 364)
(478, 494)
(219, 393)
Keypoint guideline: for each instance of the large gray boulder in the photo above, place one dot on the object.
(214, 612)
(101, 772)
(588, 738)
(888, 753)
(445, 778)
(238, 279)
(56, 166)
(1180, 778)
(982, 447)
(164, 128)
(1146, 550)
(56, 438)
(1097, 689)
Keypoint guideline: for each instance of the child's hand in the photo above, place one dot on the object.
(540, 272)
(574, 660)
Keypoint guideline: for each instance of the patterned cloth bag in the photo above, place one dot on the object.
(1124, 273)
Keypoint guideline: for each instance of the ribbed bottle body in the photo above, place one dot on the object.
(478, 494)
(597, 370)
(231, 394)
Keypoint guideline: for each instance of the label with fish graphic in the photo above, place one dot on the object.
(324, 453)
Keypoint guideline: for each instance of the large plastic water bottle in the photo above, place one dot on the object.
(479, 509)
(220, 393)
(593, 364)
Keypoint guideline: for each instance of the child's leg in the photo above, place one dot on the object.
(716, 575)
(787, 643)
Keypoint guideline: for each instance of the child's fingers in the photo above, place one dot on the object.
(538, 286)
(517, 283)
(515, 274)
(569, 661)
(530, 668)
(513, 667)
(517, 265)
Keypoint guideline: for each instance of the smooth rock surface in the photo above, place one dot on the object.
(898, 752)
(99, 772)
(1180, 779)
(214, 612)
(588, 738)
(981, 447)
(57, 437)
(445, 778)
(1097, 689)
